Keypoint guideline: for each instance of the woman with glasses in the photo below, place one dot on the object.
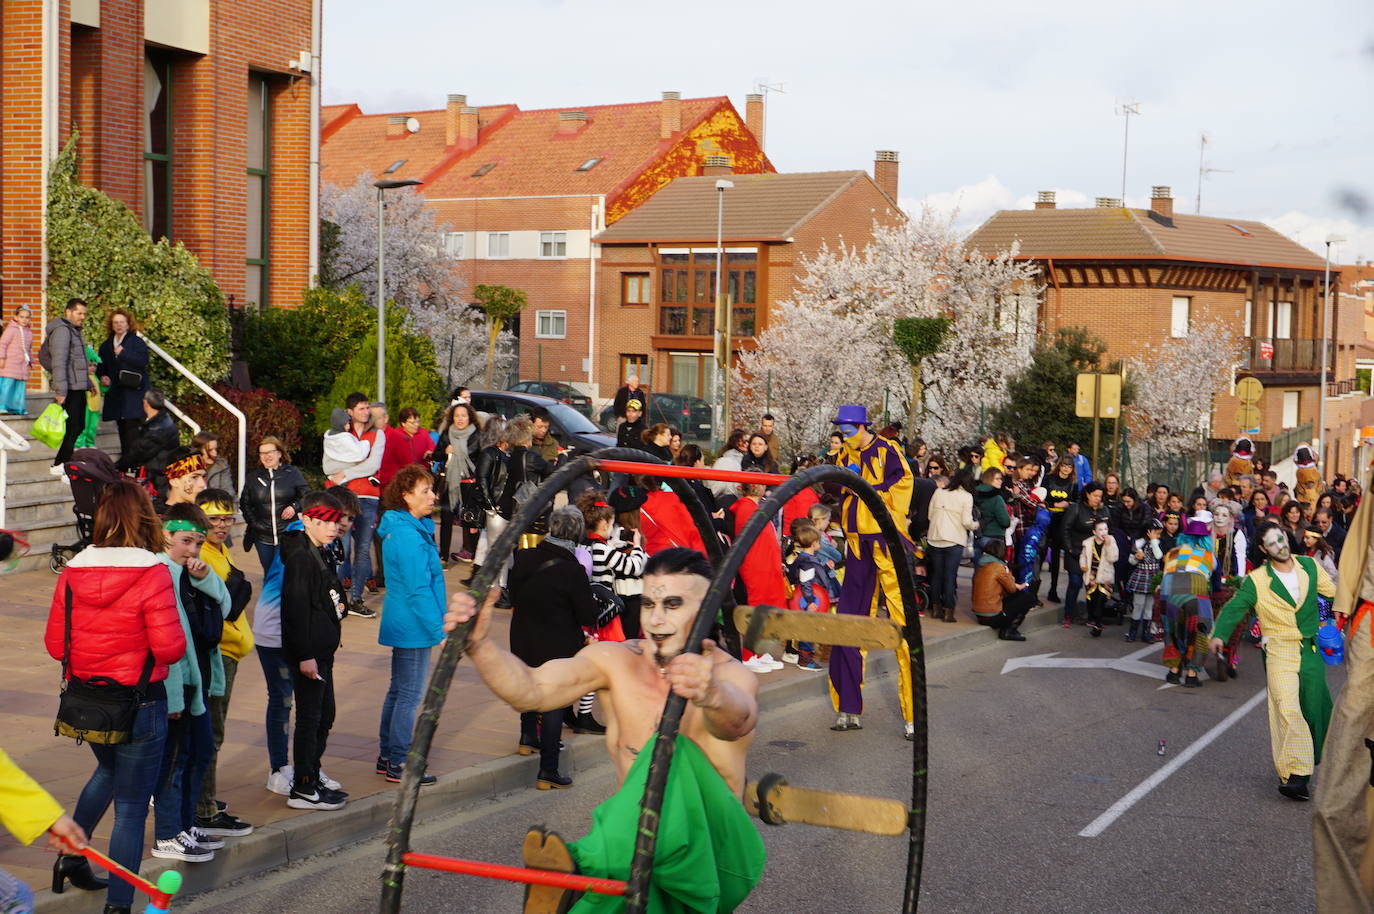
(270, 498)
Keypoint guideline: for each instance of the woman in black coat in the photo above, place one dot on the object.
(123, 368)
(270, 499)
(552, 602)
(460, 441)
(524, 465)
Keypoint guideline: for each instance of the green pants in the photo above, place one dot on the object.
(709, 855)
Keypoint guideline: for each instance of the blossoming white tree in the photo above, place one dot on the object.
(1175, 382)
(840, 325)
(419, 274)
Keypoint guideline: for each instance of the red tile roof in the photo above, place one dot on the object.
(1104, 233)
(769, 207)
(530, 156)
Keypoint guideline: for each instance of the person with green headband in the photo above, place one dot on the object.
(202, 603)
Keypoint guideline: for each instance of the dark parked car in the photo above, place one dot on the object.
(572, 429)
(563, 393)
(691, 415)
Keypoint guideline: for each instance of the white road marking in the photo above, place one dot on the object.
(1104, 821)
(1131, 663)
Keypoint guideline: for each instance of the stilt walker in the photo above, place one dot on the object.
(1283, 593)
(1343, 817)
(869, 572)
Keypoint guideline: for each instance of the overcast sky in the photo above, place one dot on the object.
(987, 101)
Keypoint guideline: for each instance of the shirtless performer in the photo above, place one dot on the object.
(703, 827)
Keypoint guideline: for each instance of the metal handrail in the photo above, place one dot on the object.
(215, 395)
(10, 440)
(191, 423)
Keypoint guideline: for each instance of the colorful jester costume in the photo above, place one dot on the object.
(1299, 702)
(1186, 595)
(869, 571)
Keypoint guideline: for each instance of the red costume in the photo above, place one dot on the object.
(665, 522)
(762, 568)
(797, 506)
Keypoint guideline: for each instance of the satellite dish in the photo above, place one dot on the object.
(413, 125)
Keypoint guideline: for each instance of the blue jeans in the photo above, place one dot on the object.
(409, 668)
(190, 748)
(266, 553)
(944, 574)
(277, 673)
(1073, 587)
(360, 543)
(126, 775)
(15, 895)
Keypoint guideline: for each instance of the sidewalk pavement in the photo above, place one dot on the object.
(472, 754)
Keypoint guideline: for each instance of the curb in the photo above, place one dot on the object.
(305, 836)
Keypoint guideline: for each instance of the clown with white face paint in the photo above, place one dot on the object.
(1283, 592)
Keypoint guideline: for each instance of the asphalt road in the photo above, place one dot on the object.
(1020, 764)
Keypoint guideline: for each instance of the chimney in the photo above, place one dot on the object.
(1108, 203)
(717, 165)
(396, 125)
(569, 122)
(456, 103)
(467, 127)
(670, 115)
(1162, 201)
(885, 171)
(753, 114)
(1045, 200)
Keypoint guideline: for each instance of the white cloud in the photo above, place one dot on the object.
(1311, 232)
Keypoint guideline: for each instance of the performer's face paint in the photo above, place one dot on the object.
(849, 430)
(667, 610)
(1221, 520)
(1275, 543)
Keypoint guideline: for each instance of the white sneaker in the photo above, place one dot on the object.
(181, 848)
(58, 470)
(209, 842)
(757, 664)
(772, 664)
(328, 782)
(279, 781)
(790, 658)
(908, 731)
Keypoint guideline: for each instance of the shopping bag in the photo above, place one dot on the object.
(51, 425)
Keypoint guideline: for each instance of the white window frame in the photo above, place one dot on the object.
(455, 244)
(546, 332)
(501, 241)
(1292, 409)
(1283, 320)
(1180, 316)
(553, 245)
(1249, 319)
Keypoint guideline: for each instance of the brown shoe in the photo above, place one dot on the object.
(949, 614)
(545, 850)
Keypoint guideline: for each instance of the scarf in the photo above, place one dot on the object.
(460, 464)
(561, 543)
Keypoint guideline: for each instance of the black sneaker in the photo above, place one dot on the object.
(223, 825)
(381, 765)
(333, 796)
(319, 798)
(221, 806)
(361, 610)
(585, 723)
(1296, 788)
(394, 773)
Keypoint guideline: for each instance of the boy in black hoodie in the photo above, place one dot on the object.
(312, 604)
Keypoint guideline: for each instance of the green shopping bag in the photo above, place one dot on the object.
(51, 425)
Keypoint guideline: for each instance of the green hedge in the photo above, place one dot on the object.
(99, 251)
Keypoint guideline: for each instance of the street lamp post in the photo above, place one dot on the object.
(723, 315)
(1326, 345)
(382, 187)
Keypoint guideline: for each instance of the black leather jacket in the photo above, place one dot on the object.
(492, 465)
(157, 438)
(265, 493)
(524, 464)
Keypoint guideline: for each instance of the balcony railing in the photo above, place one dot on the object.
(1286, 355)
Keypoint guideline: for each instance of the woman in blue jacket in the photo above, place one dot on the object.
(413, 611)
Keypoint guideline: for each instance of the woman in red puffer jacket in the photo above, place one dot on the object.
(124, 614)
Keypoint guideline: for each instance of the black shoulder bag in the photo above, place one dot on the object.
(99, 709)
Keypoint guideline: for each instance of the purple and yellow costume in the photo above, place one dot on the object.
(868, 567)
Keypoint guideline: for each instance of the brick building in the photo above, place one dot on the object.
(522, 193)
(190, 112)
(1134, 277)
(657, 282)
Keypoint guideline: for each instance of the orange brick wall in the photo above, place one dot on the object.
(101, 89)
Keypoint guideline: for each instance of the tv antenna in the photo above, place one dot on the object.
(763, 87)
(1125, 107)
(1203, 171)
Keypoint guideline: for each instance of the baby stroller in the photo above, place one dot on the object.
(90, 472)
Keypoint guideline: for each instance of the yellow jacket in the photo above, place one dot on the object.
(993, 455)
(237, 640)
(882, 466)
(26, 810)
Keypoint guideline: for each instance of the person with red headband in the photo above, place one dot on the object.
(312, 606)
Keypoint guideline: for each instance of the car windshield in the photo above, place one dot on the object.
(571, 421)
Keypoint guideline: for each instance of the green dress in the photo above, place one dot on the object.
(709, 855)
